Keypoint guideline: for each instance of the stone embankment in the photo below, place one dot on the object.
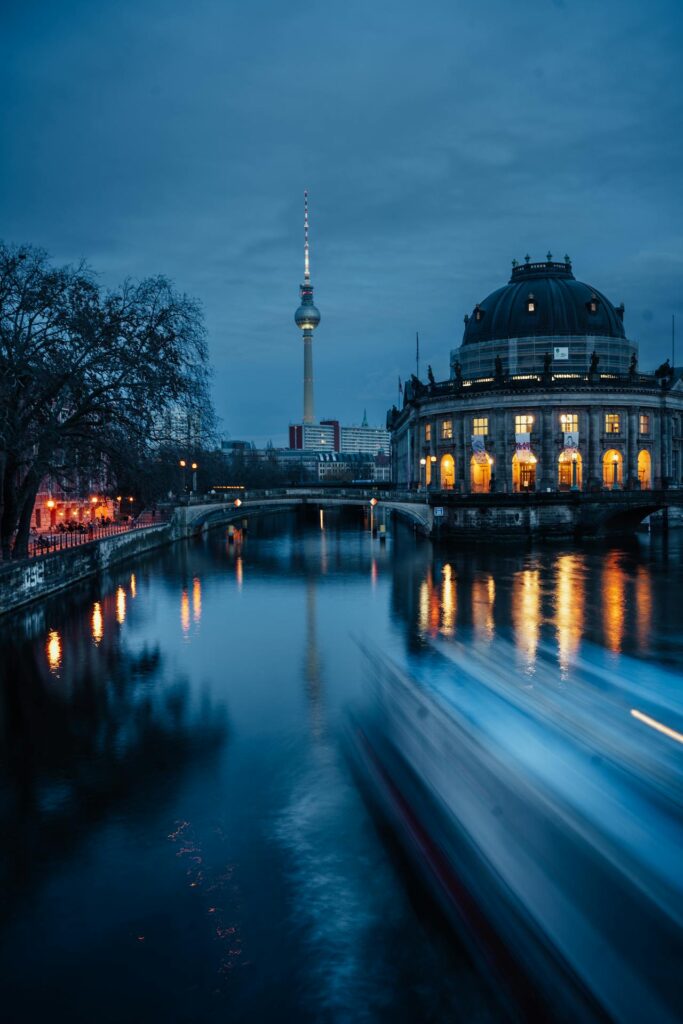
(34, 578)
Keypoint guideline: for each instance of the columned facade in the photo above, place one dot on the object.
(640, 418)
(544, 395)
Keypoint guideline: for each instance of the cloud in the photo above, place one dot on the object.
(437, 143)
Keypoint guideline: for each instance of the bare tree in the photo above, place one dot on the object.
(86, 374)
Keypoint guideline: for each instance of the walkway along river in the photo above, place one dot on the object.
(183, 839)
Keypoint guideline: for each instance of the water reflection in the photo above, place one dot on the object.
(116, 764)
(196, 599)
(526, 614)
(569, 603)
(483, 593)
(613, 600)
(185, 611)
(97, 622)
(54, 650)
(448, 600)
(120, 606)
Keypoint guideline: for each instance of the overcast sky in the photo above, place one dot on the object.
(437, 140)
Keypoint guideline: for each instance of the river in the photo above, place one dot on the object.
(183, 838)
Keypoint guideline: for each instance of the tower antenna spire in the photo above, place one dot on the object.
(307, 271)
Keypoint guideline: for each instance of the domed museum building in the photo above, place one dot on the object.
(545, 394)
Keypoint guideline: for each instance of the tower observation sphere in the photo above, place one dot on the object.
(307, 318)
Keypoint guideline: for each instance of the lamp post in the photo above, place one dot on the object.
(195, 467)
(432, 459)
(373, 502)
(183, 466)
(615, 473)
(575, 485)
(423, 463)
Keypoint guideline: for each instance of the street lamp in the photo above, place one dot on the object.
(615, 473)
(183, 465)
(195, 467)
(423, 462)
(575, 460)
(432, 459)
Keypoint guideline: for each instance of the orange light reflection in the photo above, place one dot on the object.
(54, 650)
(569, 607)
(196, 599)
(526, 613)
(613, 601)
(97, 622)
(120, 606)
(185, 611)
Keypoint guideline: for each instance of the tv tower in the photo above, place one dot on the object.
(307, 318)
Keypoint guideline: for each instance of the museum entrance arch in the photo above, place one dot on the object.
(447, 472)
(524, 472)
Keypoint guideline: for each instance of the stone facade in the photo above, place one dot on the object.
(629, 434)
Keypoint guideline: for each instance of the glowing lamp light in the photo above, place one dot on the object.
(423, 462)
(50, 503)
(238, 502)
(93, 501)
(373, 501)
(131, 499)
(195, 466)
(182, 463)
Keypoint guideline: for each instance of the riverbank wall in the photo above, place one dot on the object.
(32, 579)
(35, 578)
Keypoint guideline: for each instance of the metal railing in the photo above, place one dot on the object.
(60, 540)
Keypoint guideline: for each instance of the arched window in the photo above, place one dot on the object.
(447, 473)
(524, 472)
(644, 470)
(569, 470)
(612, 469)
(480, 474)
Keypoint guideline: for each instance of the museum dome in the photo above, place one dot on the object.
(543, 300)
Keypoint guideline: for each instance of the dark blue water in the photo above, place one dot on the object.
(182, 838)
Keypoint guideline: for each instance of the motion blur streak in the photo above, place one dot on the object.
(654, 724)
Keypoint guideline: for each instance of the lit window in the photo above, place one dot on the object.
(524, 423)
(480, 426)
(478, 312)
(569, 422)
(531, 304)
(428, 431)
(593, 304)
(612, 424)
(447, 430)
(644, 423)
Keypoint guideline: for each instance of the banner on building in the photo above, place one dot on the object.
(560, 352)
(571, 440)
(478, 449)
(523, 447)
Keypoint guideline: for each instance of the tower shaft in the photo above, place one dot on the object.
(308, 376)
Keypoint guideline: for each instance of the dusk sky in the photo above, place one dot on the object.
(438, 141)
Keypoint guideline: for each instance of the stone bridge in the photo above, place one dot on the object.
(413, 508)
(446, 513)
